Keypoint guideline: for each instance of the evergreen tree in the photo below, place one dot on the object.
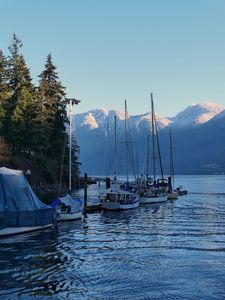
(4, 88)
(42, 128)
(19, 109)
(22, 121)
(75, 162)
(19, 74)
(53, 97)
(33, 120)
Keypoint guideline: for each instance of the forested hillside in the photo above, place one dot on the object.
(33, 119)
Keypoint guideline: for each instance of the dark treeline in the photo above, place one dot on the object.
(33, 118)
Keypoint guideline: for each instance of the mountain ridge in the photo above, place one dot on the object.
(198, 139)
(194, 114)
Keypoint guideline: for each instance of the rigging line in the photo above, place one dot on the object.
(129, 147)
(62, 164)
(159, 153)
(110, 160)
(105, 168)
(157, 137)
(153, 140)
(137, 164)
(131, 153)
(115, 150)
(171, 158)
(147, 158)
(126, 142)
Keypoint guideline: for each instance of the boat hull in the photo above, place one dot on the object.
(19, 230)
(124, 206)
(69, 216)
(153, 199)
(172, 196)
(108, 205)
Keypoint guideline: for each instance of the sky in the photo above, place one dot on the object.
(110, 50)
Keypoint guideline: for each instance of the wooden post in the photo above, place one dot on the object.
(85, 191)
(169, 184)
(107, 182)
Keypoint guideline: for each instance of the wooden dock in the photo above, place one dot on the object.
(93, 208)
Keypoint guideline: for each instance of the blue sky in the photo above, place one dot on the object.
(108, 51)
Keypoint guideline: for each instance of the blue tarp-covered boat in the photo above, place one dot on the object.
(20, 208)
(68, 208)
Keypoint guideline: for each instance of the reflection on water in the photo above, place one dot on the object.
(174, 250)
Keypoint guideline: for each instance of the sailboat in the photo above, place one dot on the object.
(155, 191)
(116, 198)
(67, 207)
(171, 194)
(128, 158)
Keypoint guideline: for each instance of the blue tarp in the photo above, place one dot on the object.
(75, 204)
(19, 206)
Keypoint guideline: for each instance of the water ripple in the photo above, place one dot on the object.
(175, 250)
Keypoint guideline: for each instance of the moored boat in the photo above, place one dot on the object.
(18, 230)
(181, 191)
(20, 209)
(152, 190)
(116, 199)
(68, 208)
(152, 196)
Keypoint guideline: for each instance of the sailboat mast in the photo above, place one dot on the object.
(158, 147)
(171, 158)
(137, 164)
(115, 150)
(153, 139)
(71, 102)
(70, 144)
(126, 141)
(106, 162)
(147, 164)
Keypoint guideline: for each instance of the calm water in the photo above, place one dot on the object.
(171, 251)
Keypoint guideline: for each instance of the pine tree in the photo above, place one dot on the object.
(53, 97)
(75, 162)
(19, 74)
(22, 122)
(33, 120)
(42, 128)
(5, 151)
(4, 88)
(20, 107)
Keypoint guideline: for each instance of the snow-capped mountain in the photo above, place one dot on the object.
(103, 118)
(144, 121)
(98, 118)
(197, 114)
(198, 138)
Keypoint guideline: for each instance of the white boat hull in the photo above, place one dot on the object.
(172, 196)
(153, 199)
(108, 205)
(124, 206)
(19, 230)
(69, 216)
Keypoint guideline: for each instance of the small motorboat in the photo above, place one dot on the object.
(68, 208)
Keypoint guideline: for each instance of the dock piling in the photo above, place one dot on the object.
(107, 182)
(85, 191)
